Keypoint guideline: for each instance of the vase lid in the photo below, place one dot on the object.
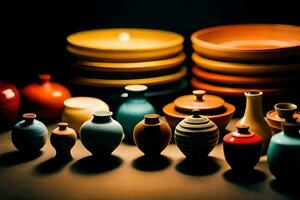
(198, 100)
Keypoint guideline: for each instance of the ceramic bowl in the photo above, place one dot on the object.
(285, 110)
(221, 120)
(248, 42)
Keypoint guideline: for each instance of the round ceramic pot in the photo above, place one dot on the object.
(152, 135)
(80, 109)
(46, 98)
(196, 136)
(9, 104)
(63, 139)
(101, 135)
(242, 148)
(29, 135)
(283, 153)
(133, 109)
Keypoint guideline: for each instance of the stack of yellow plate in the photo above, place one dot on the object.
(113, 58)
(232, 59)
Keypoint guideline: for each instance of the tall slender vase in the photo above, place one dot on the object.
(254, 117)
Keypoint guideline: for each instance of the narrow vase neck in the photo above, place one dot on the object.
(101, 119)
(254, 107)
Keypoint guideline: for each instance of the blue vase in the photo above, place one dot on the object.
(29, 135)
(102, 134)
(132, 111)
(283, 153)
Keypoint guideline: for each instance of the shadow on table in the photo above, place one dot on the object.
(245, 178)
(151, 163)
(17, 157)
(201, 167)
(289, 188)
(94, 165)
(53, 165)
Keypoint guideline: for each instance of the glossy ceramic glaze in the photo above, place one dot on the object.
(235, 91)
(29, 135)
(152, 135)
(45, 97)
(102, 134)
(240, 68)
(80, 109)
(223, 79)
(242, 148)
(196, 136)
(248, 42)
(152, 81)
(133, 109)
(283, 159)
(132, 67)
(9, 104)
(63, 139)
(254, 117)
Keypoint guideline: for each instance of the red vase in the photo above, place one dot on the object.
(9, 104)
(45, 98)
(242, 148)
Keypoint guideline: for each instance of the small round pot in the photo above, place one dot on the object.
(285, 110)
(102, 134)
(29, 135)
(80, 109)
(152, 135)
(242, 148)
(63, 139)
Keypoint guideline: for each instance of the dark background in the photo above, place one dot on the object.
(35, 31)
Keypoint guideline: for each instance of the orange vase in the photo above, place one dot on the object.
(45, 98)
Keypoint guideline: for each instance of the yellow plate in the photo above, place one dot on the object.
(125, 39)
(243, 69)
(132, 66)
(121, 83)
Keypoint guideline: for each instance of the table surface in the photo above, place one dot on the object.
(129, 175)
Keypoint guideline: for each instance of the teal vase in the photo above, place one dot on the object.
(283, 153)
(29, 135)
(102, 134)
(132, 111)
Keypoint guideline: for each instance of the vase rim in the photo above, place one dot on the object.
(103, 114)
(82, 102)
(253, 93)
(136, 88)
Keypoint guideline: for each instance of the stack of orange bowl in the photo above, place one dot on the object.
(106, 60)
(232, 59)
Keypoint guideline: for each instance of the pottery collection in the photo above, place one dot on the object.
(101, 135)
(45, 98)
(77, 110)
(152, 135)
(196, 136)
(254, 117)
(9, 104)
(242, 148)
(29, 135)
(133, 109)
(63, 139)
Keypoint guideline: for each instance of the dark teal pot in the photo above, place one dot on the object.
(29, 135)
(283, 153)
(101, 135)
(132, 111)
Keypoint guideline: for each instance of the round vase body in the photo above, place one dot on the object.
(29, 135)
(101, 135)
(152, 135)
(196, 136)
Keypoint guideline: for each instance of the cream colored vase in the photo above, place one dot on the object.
(254, 117)
(80, 109)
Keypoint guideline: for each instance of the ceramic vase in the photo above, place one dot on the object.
(45, 98)
(133, 109)
(152, 135)
(242, 148)
(102, 134)
(254, 117)
(63, 139)
(80, 109)
(9, 104)
(196, 136)
(283, 153)
(29, 135)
